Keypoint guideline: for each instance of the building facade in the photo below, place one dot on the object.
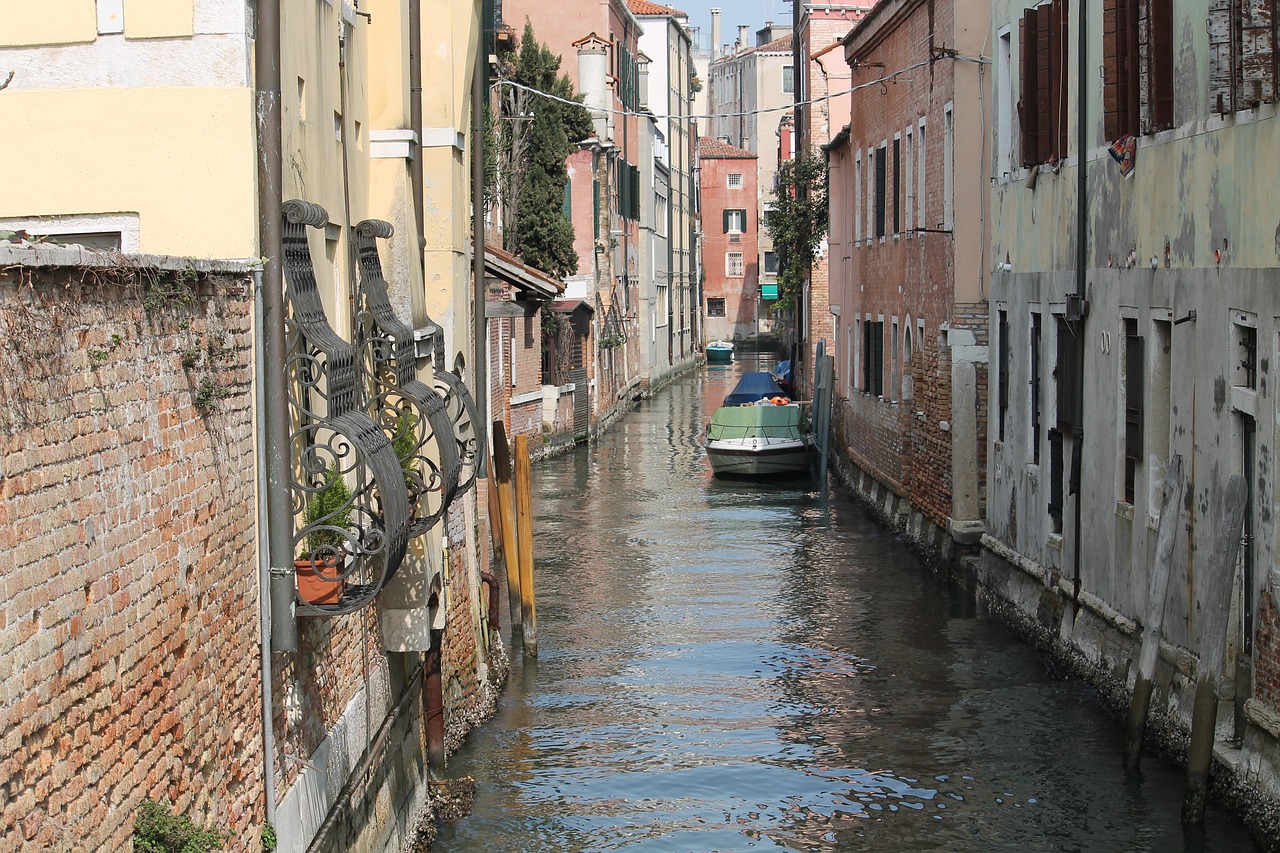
(907, 292)
(730, 241)
(165, 109)
(1133, 314)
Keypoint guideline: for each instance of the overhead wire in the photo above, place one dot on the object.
(892, 77)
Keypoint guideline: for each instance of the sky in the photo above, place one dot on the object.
(752, 13)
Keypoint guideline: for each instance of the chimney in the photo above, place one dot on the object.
(715, 32)
(742, 43)
(593, 69)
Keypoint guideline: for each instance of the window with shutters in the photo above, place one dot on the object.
(1134, 371)
(881, 189)
(1243, 60)
(1043, 41)
(1035, 387)
(1068, 372)
(873, 361)
(735, 221)
(1002, 332)
(1137, 66)
(897, 185)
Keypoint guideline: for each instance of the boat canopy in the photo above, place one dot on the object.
(752, 387)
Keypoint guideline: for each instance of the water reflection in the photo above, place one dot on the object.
(735, 666)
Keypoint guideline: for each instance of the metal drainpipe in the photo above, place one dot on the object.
(1082, 254)
(264, 568)
(279, 517)
(415, 119)
(479, 346)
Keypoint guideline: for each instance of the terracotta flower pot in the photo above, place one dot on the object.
(314, 589)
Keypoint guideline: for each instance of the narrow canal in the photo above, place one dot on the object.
(733, 666)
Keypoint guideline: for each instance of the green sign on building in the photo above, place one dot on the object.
(769, 291)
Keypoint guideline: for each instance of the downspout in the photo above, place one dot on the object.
(415, 119)
(279, 515)
(1082, 254)
(264, 568)
(479, 332)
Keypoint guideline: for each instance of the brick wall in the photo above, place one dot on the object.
(130, 613)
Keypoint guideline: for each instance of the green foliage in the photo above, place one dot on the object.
(404, 441)
(329, 506)
(536, 148)
(157, 830)
(207, 393)
(797, 222)
(269, 841)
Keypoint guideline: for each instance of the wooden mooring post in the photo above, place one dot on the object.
(524, 529)
(502, 475)
(1214, 595)
(1153, 618)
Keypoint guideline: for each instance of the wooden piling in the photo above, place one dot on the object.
(524, 528)
(1215, 601)
(502, 475)
(1153, 617)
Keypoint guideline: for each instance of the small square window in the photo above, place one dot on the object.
(735, 180)
(715, 306)
(788, 79)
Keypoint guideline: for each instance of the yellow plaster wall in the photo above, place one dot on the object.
(51, 22)
(182, 159)
(150, 19)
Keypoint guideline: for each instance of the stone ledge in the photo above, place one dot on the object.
(53, 256)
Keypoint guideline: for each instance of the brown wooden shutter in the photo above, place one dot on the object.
(1221, 64)
(1111, 68)
(1257, 52)
(1044, 85)
(1027, 45)
(1061, 32)
(1160, 71)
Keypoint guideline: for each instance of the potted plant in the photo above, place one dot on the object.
(329, 508)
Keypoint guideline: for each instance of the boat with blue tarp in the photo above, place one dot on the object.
(758, 431)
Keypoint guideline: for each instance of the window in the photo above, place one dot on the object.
(1004, 104)
(873, 362)
(948, 170)
(788, 79)
(1002, 388)
(1134, 369)
(897, 185)
(1242, 53)
(663, 312)
(881, 189)
(908, 155)
(871, 193)
(1043, 77)
(908, 374)
(893, 361)
(733, 265)
(1137, 66)
(735, 221)
(770, 263)
(1246, 360)
(857, 197)
(735, 181)
(660, 214)
(924, 196)
(1068, 370)
(715, 306)
(1035, 387)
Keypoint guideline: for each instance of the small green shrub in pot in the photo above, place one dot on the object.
(329, 507)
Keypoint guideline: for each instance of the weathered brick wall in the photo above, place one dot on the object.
(129, 622)
(929, 486)
(976, 317)
(460, 655)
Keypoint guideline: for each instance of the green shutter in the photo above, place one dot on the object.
(566, 206)
(726, 220)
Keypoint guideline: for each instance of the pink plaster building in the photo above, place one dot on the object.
(907, 292)
(730, 241)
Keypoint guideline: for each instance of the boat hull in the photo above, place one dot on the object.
(744, 459)
(719, 353)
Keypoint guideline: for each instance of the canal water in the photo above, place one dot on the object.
(731, 666)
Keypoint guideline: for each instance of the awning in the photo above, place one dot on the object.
(507, 267)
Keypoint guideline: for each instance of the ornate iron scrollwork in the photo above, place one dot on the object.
(461, 408)
(410, 411)
(347, 485)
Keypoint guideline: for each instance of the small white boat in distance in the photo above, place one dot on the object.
(758, 432)
(719, 352)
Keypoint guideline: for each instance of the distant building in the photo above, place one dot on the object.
(730, 243)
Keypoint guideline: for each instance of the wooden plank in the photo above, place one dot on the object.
(1153, 615)
(1214, 596)
(524, 526)
(1221, 73)
(507, 510)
